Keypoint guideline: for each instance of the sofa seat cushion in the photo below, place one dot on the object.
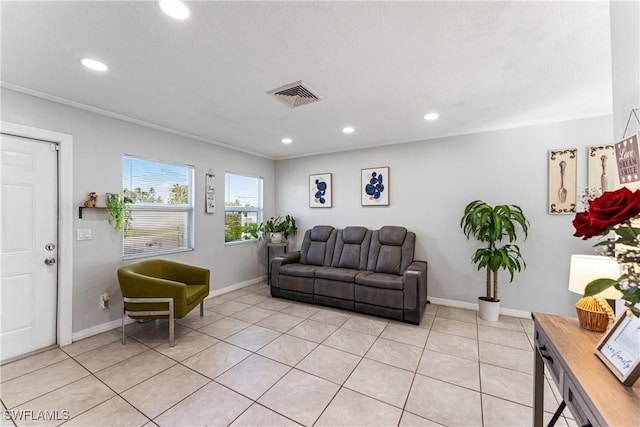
(298, 270)
(380, 280)
(339, 274)
(196, 292)
(333, 289)
(390, 298)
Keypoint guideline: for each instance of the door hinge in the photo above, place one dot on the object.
(54, 147)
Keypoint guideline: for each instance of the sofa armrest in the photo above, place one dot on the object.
(280, 260)
(415, 285)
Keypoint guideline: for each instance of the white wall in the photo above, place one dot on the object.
(99, 144)
(432, 181)
(625, 65)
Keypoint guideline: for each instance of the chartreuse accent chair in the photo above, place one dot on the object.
(162, 289)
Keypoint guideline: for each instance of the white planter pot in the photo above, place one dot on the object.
(276, 237)
(489, 310)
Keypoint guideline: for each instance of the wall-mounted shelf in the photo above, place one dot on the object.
(81, 208)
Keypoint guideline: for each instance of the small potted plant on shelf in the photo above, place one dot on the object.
(491, 225)
(278, 228)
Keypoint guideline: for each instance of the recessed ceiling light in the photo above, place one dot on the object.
(431, 116)
(174, 8)
(287, 140)
(348, 129)
(93, 64)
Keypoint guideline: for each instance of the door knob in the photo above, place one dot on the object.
(50, 261)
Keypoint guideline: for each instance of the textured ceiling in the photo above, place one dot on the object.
(380, 66)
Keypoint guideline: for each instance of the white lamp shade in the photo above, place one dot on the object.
(586, 268)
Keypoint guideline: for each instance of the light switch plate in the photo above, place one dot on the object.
(83, 234)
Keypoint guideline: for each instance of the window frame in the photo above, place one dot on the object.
(258, 209)
(189, 209)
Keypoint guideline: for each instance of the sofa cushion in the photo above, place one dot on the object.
(354, 235)
(352, 248)
(317, 245)
(380, 280)
(321, 233)
(381, 297)
(331, 288)
(299, 270)
(297, 284)
(195, 292)
(339, 274)
(391, 250)
(392, 235)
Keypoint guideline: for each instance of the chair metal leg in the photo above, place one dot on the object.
(202, 309)
(124, 313)
(171, 325)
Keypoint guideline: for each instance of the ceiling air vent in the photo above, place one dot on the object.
(295, 94)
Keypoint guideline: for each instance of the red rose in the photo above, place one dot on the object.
(583, 226)
(614, 207)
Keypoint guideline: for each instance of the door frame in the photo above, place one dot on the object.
(65, 220)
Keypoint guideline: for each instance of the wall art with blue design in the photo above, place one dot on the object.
(375, 187)
(320, 190)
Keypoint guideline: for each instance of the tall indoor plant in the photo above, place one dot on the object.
(490, 225)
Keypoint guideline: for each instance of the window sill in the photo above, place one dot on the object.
(155, 254)
(240, 242)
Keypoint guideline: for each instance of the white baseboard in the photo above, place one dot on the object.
(104, 327)
(236, 286)
(98, 329)
(474, 307)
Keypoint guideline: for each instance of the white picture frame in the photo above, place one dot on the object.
(619, 348)
(321, 190)
(374, 186)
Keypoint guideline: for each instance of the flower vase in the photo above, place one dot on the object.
(275, 237)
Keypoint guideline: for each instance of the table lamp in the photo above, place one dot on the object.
(594, 312)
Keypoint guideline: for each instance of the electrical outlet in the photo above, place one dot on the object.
(104, 300)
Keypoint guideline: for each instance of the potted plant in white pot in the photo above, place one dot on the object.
(278, 228)
(491, 225)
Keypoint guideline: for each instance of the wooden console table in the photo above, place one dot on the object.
(589, 389)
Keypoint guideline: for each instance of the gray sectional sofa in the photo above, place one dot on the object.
(368, 271)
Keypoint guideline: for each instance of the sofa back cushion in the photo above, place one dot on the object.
(391, 250)
(317, 245)
(352, 248)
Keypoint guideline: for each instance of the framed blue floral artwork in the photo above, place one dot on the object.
(320, 190)
(375, 187)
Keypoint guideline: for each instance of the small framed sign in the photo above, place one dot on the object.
(619, 348)
(628, 160)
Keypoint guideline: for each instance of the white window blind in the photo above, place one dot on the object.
(160, 196)
(242, 206)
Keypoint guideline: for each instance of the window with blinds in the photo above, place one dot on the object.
(160, 196)
(242, 207)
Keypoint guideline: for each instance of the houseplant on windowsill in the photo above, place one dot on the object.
(618, 212)
(277, 228)
(491, 225)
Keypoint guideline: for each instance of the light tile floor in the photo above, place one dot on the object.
(253, 360)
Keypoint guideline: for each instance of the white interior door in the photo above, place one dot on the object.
(28, 251)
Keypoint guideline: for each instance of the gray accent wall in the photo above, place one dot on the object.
(99, 144)
(431, 182)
